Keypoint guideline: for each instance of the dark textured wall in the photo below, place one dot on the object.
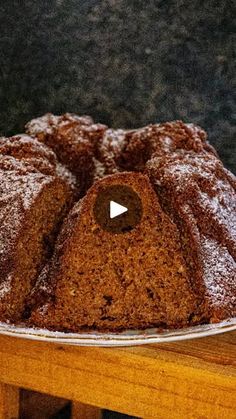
(127, 63)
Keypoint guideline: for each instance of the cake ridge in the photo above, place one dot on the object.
(33, 198)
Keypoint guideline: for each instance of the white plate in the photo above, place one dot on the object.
(127, 338)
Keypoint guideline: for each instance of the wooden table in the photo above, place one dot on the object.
(191, 379)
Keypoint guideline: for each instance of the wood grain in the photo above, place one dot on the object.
(9, 402)
(191, 379)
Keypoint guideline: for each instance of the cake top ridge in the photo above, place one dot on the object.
(20, 184)
(26, 167)
(205, 195)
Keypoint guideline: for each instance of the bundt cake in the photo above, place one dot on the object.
(35, 194)
(175, 268)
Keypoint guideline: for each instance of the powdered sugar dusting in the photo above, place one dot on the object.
(113, 141)
(204, 197)
(219, 270)
(99, 171)
(26, 168)
(109, 150)
(6, 286)
(67, 176)
(19, 188)
(42, 125)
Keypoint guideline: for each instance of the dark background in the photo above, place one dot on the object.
(127, 63)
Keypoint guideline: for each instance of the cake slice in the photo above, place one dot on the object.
(106, 281)
(199, 195)
(35, 193)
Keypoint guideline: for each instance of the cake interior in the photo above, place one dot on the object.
(113, 281)
(39, 226)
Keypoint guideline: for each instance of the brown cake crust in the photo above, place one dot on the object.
(33, 202)
(200, 196)
(73, 138)
(108, 151)
(157, 140)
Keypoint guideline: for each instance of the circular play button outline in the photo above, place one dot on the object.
(117, 208)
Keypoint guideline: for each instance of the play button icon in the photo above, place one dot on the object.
(118, 208)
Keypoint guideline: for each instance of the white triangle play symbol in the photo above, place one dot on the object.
(116, 209)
